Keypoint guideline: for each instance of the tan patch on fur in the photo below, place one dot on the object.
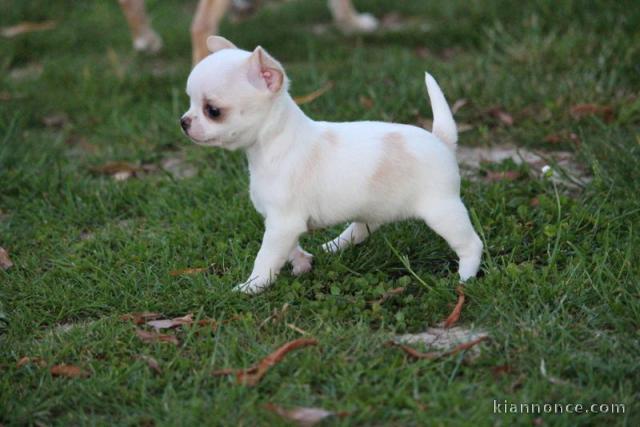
(331, 137)
(394, 161)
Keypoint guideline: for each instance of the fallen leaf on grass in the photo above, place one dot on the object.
(189, 271)
(444, 339)
(501, 115)
(171, 323)
(151, 362)
(305, 99)
(26, 360)
(28, 72)
(56, 120)
(151, 337)
(140, 317)
(69, 371)
(455, 314)
(472, 158)
(5, 261)
(252, 375)
(305, 417)
(388, 294)
(580, 111)
(120, 171)
(502, 176)
(501, 370)
(557, 138)
(458, 105)
(366, 102)
(437, 355)
(27, 27)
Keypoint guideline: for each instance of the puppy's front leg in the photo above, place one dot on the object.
(280, 238)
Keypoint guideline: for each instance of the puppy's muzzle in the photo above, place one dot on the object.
(185, 124)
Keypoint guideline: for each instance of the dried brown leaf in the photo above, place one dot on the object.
(171, 323)
(140, 317)
(366, 102)
(580, 111)
(557, 138)
(186, 271)
(69, 371)
(501, 115)
(502, 175)
(26, 360)
(455, 314)
(5, 261)
(56, 120)
(151, 362)
(253, 374)
(252, 378)
(500, 370)
(113, 168)
(305, 417)
(151, 337)
(28, 72)
(458, 105)
(437, 355)
(27, 27)
(305, 99)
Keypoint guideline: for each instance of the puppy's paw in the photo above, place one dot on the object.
(301, 262)
(251, 287)
(148, 42)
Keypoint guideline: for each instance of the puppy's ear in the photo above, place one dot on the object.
(216, 43)
(265, 72)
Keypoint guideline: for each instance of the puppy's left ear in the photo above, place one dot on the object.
(216, 43)
(265, 73)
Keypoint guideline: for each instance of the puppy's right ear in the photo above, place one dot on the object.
(216, 43)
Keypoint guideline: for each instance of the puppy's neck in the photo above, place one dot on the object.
(284, 126)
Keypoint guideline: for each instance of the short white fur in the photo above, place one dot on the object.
(307, 174)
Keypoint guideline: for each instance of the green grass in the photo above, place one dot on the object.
(560, 280)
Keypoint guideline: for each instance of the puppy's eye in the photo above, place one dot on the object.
(211, 111)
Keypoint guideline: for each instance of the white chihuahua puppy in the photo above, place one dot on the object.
(307, 174)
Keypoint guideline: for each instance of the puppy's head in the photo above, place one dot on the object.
(231, 93)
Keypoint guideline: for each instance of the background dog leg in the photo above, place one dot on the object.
(349, 20)
(206, 22)
(278, 242)
(355, 233)
(145, 39)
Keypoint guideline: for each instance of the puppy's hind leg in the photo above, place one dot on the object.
(355, 233)
(300, 260)
(450, 219)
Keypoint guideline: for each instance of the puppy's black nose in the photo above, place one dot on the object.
(185, 122)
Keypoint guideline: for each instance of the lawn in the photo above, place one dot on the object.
(559, 285)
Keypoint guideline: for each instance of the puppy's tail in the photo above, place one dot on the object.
(443, 125)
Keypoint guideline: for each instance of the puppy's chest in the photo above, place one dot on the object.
(267, 193)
